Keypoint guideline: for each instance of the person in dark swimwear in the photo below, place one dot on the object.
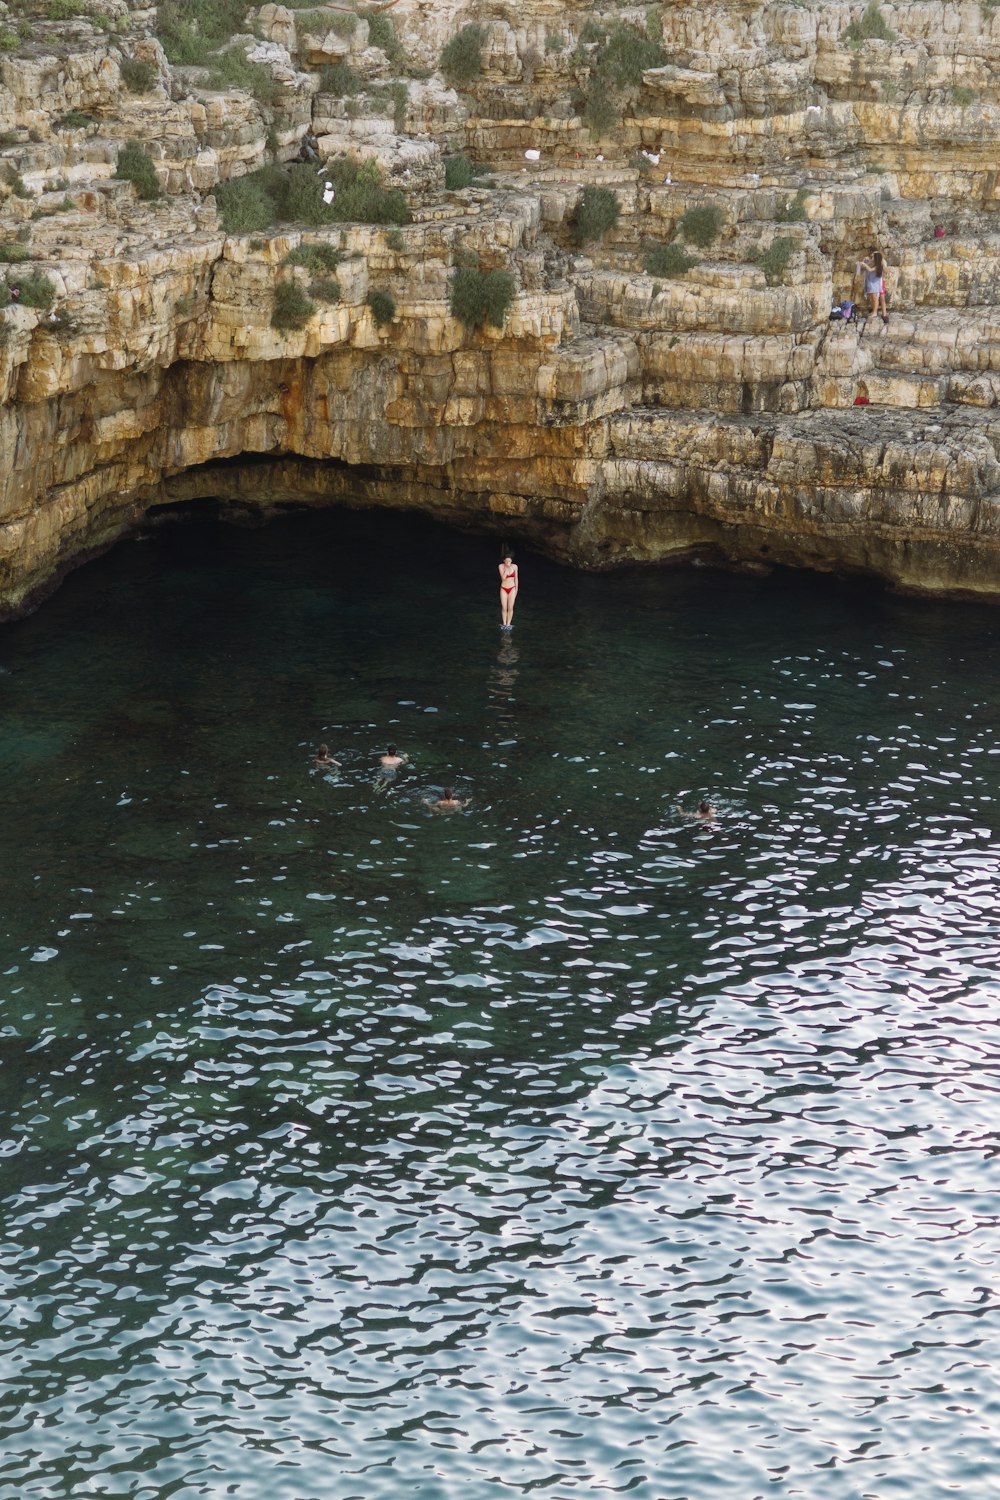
(324, 761)
(392, 760)
(447, 802)
(508, 590)
(703, 813)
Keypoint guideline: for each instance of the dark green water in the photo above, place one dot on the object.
(561, 1145)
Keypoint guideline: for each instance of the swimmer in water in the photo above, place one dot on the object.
(508, 590)
(392, 760)
(447, 802)
(703, 813)
(324, 761)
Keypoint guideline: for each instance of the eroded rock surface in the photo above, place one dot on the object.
(616, 415)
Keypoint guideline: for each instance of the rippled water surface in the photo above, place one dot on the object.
(558, 1145)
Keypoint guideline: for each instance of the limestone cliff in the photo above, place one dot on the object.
(755, 151)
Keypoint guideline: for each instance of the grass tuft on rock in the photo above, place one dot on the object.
(315, 257)
(872, 27)
(189, 29)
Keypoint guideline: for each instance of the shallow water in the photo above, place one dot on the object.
(349, 1149)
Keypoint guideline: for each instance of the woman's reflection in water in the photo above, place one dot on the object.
(503, 679)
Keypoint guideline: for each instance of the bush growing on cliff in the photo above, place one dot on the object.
(243, 206)
(277, 194)
(339, 80)
(315, 257)
(189, 29)
(702, 224)
(234, 69)
(36, 290)
(597, 212)
(11, 253)
(382, 304)
(135, 165)
(459, 172)
(794, 210)
(622, 55)
(668, 261)
(462, 57)
(775, 259)
(292, 308)
(325, 289)
(382, 34)
(481, 296)
(137, 76)
(872, 25)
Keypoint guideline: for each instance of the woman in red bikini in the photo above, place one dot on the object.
(508, 590)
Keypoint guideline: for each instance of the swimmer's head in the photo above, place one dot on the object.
(448, 795)
(324, 750)
(704, 807)
(390, 750)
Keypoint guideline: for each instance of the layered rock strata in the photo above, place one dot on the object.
(616, 416)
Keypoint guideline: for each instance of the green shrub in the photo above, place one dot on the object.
(189, 29)
(596, 212)
(37, 290)
(15, 181)
(554, 41)
(11, 253)
(340, 80)
(382, 304)
(668, 261)
(137, 76)
(872, 25)
(702, 224)
(962, 96)
(394, 241)
(616, 67)
(627, 54)
(292, 308)
(235, 70)
(243, 205)
(382, 34)
(400, 101)
(478, 296)
(294, 194)
(459, 172)
(9, 41)
(135, 165)
(315, 257)
(462, 57)
(774, 260)
(325, 289)
(794, 210)
(74, 120)
(64, 10)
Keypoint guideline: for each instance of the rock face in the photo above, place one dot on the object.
(616, 415)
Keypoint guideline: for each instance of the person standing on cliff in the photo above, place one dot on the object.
(508, 590)
(872, 268)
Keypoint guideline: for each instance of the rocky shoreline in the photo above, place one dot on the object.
(654, 391)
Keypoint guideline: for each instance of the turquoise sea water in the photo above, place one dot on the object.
(557, 1146)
